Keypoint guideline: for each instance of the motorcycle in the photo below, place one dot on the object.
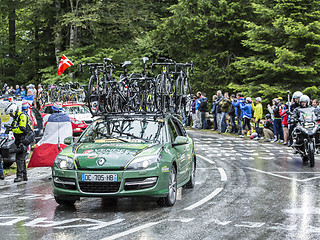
(8, 147)
(306, 134)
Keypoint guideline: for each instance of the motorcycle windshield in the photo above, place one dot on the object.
(308, 114)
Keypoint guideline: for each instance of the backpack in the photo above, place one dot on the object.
(30, 136)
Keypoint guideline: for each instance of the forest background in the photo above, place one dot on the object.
(257, 47)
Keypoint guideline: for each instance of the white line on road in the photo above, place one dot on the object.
(222, 174)
(206, 159)
(130, 231)
(268, 173)
(204, 200)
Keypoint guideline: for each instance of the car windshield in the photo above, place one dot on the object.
(81, 109)
(123, 130)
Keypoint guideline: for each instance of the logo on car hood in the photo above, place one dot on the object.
(101, 161)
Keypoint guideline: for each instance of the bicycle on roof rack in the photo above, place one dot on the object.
(139, 93)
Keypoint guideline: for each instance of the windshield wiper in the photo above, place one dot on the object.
(133, 136)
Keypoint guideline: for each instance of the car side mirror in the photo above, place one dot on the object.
(180, 140)
(68, 140)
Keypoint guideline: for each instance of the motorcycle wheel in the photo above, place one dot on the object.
(311, 154)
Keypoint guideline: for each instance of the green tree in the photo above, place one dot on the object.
(285, 44)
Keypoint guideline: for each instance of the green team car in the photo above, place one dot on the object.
(127, 155)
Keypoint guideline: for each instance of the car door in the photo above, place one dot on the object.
(178, 151)
(185, 158)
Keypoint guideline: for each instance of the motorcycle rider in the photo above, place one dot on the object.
(299, 114)
(21, 126)
(296, 103)
(304, 103)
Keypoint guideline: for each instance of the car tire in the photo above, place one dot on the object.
(64, 201)
(192, 181)
(170, 199)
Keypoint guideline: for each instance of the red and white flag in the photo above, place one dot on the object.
(64, 64)
(57, 129)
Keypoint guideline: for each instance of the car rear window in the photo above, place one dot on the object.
(83, 109)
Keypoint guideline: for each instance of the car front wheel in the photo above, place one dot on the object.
(170, 199)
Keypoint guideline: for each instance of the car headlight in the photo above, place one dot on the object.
(75, 121)
(64, 162)
(143, 162)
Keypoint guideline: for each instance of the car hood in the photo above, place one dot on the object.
(81, 117)
(110, 155)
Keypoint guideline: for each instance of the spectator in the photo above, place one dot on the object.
(29, 90)
(17, 90)
(22, 92)
(57, 129)
(203, 110)
(236, 103)
(315, 103)
(11, 90)
(193, 110)
(283, 113)
(246, 109)
(4, 88)
(268, 128)
(213, 111)
(218, 109)
(198, 114)
(224, 105)
(257, 115)
(277, 126)
(232, 114)
(270, 108)
(40, 89)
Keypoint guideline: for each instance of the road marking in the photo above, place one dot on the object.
(206, 159)
(284, 177)
(204, 200)
(130, 231)
(223, 174)
(268, 173)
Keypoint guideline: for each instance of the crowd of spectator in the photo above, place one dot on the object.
(28, 92)
(244, 116)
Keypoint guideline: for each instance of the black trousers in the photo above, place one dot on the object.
(21, 164)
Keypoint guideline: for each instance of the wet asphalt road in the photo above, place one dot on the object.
(244, 190)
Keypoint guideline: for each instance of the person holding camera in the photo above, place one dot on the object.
(23, 133)
(277, 125)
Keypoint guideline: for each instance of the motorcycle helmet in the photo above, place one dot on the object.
(304, 98)
(268, 116)
(297, 94)
(248, 99)
(12, 108)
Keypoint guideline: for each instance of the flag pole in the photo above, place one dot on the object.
(58, 134)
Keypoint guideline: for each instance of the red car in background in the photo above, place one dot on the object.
(79, 114)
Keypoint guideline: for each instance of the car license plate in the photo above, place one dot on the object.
(99, 177)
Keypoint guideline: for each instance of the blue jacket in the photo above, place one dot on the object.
(237, 105)
(213, 109)
(198, 101)
(246, 110)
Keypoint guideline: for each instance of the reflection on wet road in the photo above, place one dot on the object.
(244, 190)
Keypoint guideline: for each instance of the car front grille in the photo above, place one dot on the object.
(99, 187)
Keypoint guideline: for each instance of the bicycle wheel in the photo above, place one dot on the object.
(151, 99)
(93, 96)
